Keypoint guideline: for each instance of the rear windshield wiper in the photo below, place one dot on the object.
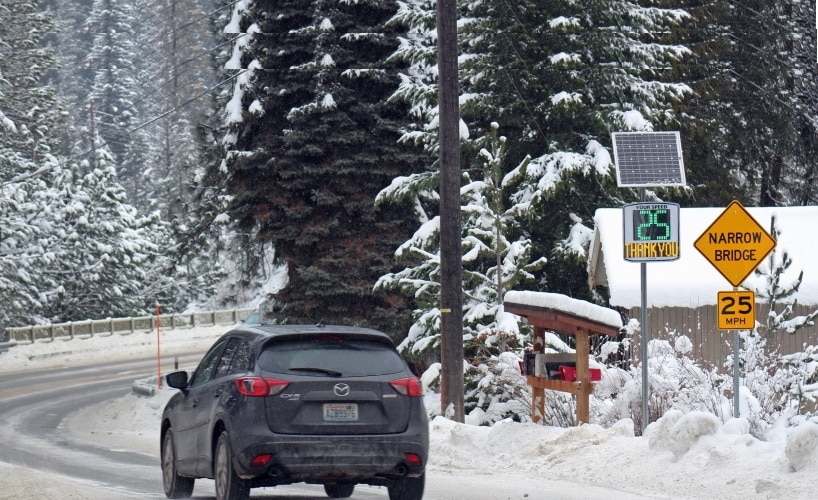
(330, 373)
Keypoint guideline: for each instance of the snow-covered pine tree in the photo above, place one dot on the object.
(497, 256)
(28, 113)
(311, 138)
(781, 391)
(118, 78)
(760, 93)
(73, 76)
(780, 299)
(174, 98)
(22, 288)
(100, 250)
(28, 102)
(619, 73)
(559, 76)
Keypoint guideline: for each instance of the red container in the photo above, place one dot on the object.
(569, 374)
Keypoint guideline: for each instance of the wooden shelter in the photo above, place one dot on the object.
(557, 313)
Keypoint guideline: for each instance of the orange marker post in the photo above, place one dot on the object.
(158, 351)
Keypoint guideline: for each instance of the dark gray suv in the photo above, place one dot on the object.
(280, 404)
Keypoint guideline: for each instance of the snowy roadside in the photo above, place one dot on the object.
(689, 456)
(682, 456)
(86, 350)
(692, 456)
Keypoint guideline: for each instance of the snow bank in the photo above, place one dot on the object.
(802, 446)
(678, 433)
(83, 349)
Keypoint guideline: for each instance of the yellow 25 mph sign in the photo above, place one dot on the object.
(736, 310)
(735, 243)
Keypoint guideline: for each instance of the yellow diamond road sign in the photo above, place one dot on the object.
(735, 243)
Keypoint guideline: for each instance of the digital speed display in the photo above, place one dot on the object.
(651, 224)
(651, 231)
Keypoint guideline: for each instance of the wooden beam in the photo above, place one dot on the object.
(555, 385)
(559, 321)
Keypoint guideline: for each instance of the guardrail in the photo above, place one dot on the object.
(89, 328)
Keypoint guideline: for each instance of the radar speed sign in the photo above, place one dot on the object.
(651, 231)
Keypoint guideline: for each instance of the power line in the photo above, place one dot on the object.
(192, 99)
(770, 95)
(152, 91)
(48, 167)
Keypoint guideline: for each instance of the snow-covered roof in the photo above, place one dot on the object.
(691, 281)
(563, 303)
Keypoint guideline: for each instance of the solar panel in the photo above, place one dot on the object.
(648, 159)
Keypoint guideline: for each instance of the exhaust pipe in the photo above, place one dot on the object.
(274, 472)
(401, 470)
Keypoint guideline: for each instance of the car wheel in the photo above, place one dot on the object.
(339, 490)
(408, 488)
(229, 486)
(175, 485)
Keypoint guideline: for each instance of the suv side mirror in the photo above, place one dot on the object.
(177, 380)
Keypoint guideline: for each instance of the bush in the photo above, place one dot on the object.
(776, 390)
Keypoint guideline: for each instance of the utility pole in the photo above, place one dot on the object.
(92, 125)
(451, 259)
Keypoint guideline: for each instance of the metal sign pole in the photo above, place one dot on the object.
(645, 159)
(744, 254)
(736, 411)
(644, 327)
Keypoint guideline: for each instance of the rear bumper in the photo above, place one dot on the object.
(313, 458)
(370, 458)
(374, 459)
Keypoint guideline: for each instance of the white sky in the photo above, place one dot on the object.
(691, 281)
(692, 456)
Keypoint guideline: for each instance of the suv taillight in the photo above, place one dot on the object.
(259, 387)
(408, 386)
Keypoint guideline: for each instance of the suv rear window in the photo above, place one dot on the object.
(348, 358)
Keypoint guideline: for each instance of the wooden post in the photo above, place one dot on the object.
(538, 393)
(451, 265)
(584, 391)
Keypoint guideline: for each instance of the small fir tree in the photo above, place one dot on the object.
(493, 260)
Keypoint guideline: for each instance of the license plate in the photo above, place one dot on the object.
(340, 412)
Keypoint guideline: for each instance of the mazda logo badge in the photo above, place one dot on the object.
(341, 390)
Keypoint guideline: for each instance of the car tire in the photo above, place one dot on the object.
(339, 490)
(175, 485)
(408, 488)
(229, 486)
